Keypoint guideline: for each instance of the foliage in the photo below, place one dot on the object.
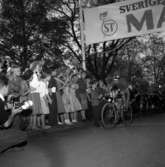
(153, 62)
(128, 63)
(27, 31)
(45, 29)
(144, 58)
(99, 57)
(36, 29)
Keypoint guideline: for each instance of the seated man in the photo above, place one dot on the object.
(8, 137)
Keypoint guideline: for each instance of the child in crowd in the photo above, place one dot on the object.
(35, 96)
(60, 105)
(45, 100)
(74, 102)
(95, 100)
(25, 96)
(82, 94)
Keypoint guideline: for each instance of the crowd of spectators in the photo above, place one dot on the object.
(59, 96)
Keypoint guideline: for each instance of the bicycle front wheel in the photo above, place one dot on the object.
(108, 115)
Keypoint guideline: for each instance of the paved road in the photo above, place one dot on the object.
(141, 145)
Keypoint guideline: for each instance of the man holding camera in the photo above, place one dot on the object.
(8, 137)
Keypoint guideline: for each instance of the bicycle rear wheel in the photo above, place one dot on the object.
(127, 116)
(108, 115)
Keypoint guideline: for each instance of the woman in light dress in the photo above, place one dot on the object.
(45, 100)
(67, 104)
(34, 95)
(70, 101)
(59, 95)
(74, 102)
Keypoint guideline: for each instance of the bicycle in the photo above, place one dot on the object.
(113, 111)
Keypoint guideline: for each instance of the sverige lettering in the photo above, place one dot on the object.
(139, 5)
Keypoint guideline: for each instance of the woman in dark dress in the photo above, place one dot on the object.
(53, 106)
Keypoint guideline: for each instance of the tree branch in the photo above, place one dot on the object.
(70, 48)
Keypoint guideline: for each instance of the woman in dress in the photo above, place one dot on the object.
(60, 105)
(34, 94)
(82, 94)
(45, 100)
(67, 104)
(74, 102)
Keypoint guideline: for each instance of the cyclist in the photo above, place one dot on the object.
(118, 108)
(120, 90)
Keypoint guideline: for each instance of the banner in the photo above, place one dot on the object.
(123, 19)
(89, 3)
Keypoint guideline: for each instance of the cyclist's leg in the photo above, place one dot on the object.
(95, 115)
(127, 115)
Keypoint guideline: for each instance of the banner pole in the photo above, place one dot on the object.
(82, 37)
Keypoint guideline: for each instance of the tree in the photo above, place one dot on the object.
(100, 57)
(33, 29)
(129, 57)
(28, 31)
(153, 62)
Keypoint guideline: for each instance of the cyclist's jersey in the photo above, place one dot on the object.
(116, 94)
(121, 94)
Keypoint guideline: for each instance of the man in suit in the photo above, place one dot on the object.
(53, 115)
(7, 113)
(8, 137)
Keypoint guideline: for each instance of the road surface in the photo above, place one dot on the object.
(141, 145)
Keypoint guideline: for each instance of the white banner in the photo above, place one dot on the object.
(89, 3)
(124, 19)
